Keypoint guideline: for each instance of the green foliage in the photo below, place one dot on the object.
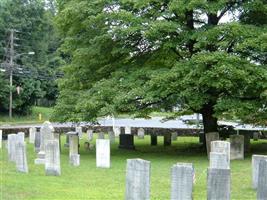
(33, 22)
(142, 56)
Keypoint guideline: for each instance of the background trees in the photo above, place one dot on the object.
(33, 22)
(136, 57)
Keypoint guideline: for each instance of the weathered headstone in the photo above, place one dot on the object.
(218, 184)
(219, 160)
(141, 133)
(101, 135)
(212, 136)
(11, 147)
(128, 130)
(37, 142)
(21, 136)
(174, 136)
(255, 168)
(126, 141)
(79, 130)
(117, 131)
(182, 175)
(32, 132)
(167, 139)
(102, 153)
(255, 136)
(90, 135)
(75, 159)
(237, 147)
(52, 158)
(137, 179)
(47, 133)
(21, 158)
(1, 133)
(111, 136)
(262, 181)
(221, 147)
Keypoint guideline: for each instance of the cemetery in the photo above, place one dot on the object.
(43, 164)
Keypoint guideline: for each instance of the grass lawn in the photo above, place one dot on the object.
(89, 182)
(33, 118)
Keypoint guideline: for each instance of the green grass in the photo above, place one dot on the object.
(33, 118)
(89, 182)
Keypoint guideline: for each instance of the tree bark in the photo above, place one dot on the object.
(210, 122)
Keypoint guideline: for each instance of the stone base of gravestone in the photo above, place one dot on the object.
(218, 184)
(212, 136)
(75, 159)
(182, 176)
(174, 136)
(219, 160)
(41, 158)
(255, 168)
(126, 141)
(154, 140)
(37, 142)
(262, 181)
(137, 179)
(167, 139)
(237, 147)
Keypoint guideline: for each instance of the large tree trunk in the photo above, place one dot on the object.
(209, 121)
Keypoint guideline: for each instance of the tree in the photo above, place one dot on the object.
(142, 56)
(33, 22)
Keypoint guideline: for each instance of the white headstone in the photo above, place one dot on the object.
(128, 130)
(137, 179)
(52, 158)
(21, 158)
(103, 153)
(255, 168)
(182, 177)
(262, 181)
(219, 161)
(32, 132)
(75, 159)
(21, 136)
(221, 147)
(237, 147)
(141, 133)
(11, 147)
(37, 142)
(80, 131)
(90, 135)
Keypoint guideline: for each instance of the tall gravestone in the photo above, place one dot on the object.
(262, 181)
(182, 176)
(21, 158)
(37, 142)
(137, 179)
(174, 136)
(221, 147)
(46, 132)
(117, 131)
(237, 147)
(90, 135)
(219, 161)
(111, 136)
(128, 130)
(32, 132)
(79, 130)
(1, 133)
(11, 147)
(52, 158)
(218, 184)
(141, 133)
(74, 157)
(212, 136)
(255, 168)
(102, 153)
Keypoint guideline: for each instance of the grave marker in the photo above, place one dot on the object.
(103, 153)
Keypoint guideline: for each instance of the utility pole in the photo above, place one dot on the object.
(11, 63)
